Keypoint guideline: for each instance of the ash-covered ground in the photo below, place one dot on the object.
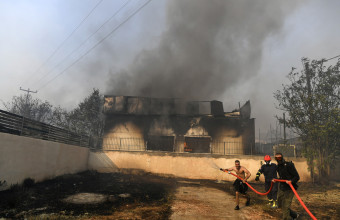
(93, 195)
(90, 194)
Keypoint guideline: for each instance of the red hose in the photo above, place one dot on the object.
(298, 197)
(262, 194)
(271, 186)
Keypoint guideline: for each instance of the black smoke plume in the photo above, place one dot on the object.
(208, 47)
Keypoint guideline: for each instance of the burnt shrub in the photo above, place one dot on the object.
(28, 183)
(15, 188)
(13, 200)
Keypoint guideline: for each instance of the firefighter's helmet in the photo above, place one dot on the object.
(267, 158)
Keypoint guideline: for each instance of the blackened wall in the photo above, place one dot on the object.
(133, 133)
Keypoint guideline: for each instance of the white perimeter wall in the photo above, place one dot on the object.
(181, 165)
(23, 157)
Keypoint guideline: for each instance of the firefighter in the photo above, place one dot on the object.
(288, 172)
(269, 171)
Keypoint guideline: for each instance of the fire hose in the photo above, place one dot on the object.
(271, 186)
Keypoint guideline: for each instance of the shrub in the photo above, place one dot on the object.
(28, 183)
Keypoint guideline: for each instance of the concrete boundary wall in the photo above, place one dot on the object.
(24, 157)
(193, 166)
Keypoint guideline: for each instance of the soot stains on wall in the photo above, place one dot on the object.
(139, 124)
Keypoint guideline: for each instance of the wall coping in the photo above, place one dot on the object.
(200, 155)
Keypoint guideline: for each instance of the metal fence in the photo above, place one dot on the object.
(139, 144)
(264, 149)
(19, 125)
(124, 144)
(286, 149)
(227, 148)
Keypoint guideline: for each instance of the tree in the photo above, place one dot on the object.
(312, 100)
(27, 106)
(86, 119)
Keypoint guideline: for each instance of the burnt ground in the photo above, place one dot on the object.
(145, 195)
(322, 200)
(138, 196)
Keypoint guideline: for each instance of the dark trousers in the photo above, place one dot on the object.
(273, 193)
(285, 199)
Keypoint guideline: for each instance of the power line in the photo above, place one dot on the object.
(87, 52)
(68, 37)
(332, 58)
(28, 91)
(67, 56)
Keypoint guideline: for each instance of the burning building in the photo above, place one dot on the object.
(175, 125)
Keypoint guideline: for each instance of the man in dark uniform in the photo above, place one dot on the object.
(286, 171)
(269, 171)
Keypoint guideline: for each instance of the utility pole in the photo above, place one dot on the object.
(270, 129)
(309, 110)
(28, 90)
(259, 138)
(284, 130)
(280, 133)
(276, 132)
(26, 113)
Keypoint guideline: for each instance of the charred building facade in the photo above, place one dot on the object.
(175, 125)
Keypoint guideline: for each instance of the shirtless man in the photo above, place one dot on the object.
(240, 186)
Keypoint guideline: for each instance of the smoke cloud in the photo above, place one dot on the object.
(207, 48)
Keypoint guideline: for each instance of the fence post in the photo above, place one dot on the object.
(68, 137)
(22, 125)
(174, 145)
(48, 135)
(224, 148)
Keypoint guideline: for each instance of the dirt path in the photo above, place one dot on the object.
(93, 195)
(200, 202)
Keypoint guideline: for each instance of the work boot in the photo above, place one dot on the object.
(237, 208)
(296, 217)
(270, 202)
(248, 202)
(274, 206)
(293, 214)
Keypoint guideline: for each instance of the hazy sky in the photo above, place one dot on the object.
(231, 51)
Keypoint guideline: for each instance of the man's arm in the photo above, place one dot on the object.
(231, 169)
(248, 174)
(294, 173)
(228, 169)
(258, 174)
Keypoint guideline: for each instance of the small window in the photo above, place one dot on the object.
(161, 143)
(197, 144)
